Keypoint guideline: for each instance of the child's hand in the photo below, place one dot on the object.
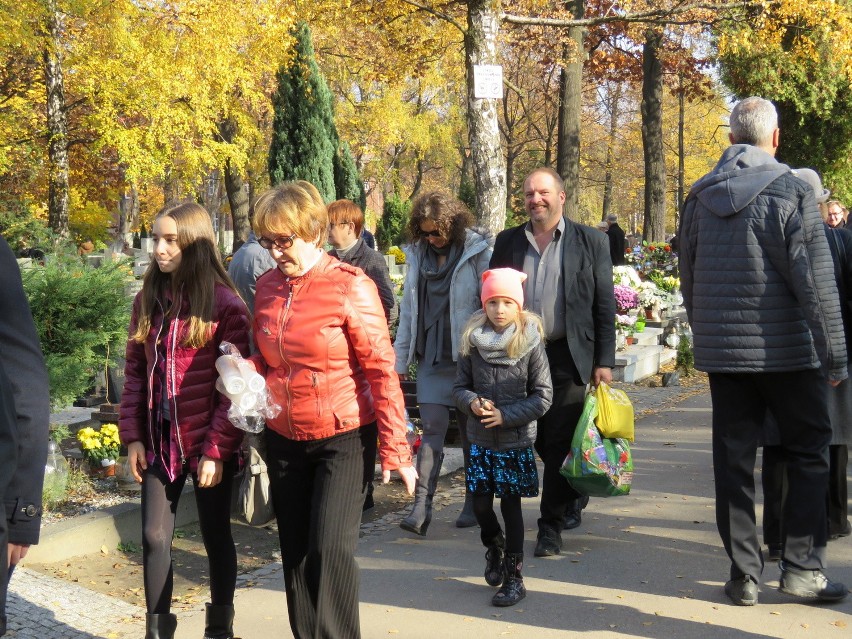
(491, 416)
(480, 405)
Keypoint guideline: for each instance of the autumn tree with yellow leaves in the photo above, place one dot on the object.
(799, 55)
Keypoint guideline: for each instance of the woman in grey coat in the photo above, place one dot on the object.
(440, 293)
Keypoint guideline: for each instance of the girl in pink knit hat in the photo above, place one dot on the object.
(503, 385)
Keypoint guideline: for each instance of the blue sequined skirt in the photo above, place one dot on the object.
(502, 472)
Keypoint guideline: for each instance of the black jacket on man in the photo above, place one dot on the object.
(24, 380)
(587, 282)
(617, 244)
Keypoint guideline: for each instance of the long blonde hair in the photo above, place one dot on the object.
(199, 271)
(519, 341)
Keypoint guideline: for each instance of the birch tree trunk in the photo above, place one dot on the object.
(652, 138)
(489, 172)
(570, 110)
(57, 124)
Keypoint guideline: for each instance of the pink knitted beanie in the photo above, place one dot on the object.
(503, 282)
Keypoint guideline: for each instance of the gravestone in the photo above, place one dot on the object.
(140, 264)
(115, 381)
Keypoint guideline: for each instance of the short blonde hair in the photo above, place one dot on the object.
(346, 212)
(292, 207)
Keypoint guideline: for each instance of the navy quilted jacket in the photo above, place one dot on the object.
(756, 272)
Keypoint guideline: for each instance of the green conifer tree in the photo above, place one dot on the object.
(304, 138)
(391, 227)
(347, 179)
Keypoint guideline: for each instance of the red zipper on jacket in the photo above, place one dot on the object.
(282, 318)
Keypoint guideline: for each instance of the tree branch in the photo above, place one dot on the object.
(436, 13)
(652, 15)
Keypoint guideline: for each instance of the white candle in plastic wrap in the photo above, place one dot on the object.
(245, 400)
(255, 380)
(230, 375)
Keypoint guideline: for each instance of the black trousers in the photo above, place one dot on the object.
(555, 431)
(774, 480)
(838, 495)
(798, 401)
(318, 490)
(774, 490)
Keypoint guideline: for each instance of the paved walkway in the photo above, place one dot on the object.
(649, 565)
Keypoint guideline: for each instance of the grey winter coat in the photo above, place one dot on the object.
(522, 391)
(464, 295)
(756, 272)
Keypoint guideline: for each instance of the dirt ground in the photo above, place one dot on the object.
(117, 572)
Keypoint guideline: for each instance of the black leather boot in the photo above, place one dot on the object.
(513, 589)
(466, 518)
(219, 622)
(160, 626)
(494, 566)
(428, 471)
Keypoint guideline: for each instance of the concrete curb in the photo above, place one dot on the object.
(86, 534)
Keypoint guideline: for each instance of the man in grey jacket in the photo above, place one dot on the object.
(249, 262)
(757, 282)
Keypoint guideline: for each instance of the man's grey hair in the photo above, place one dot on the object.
(612, 218)
(753, 120)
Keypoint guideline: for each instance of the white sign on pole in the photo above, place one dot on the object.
(487, 81)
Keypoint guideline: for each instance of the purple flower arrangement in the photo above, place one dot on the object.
(625, 298)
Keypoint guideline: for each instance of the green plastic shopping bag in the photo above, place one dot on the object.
(597, 466)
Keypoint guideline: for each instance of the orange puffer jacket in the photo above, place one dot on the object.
(324, 349)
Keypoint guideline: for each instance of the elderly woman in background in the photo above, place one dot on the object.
(440, 293)
(324, 349)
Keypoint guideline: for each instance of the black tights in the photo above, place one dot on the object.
(159, 507)
(513, 518)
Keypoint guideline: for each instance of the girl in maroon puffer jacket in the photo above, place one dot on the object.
(172, 420)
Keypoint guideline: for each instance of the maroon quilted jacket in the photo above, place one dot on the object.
(199, 411)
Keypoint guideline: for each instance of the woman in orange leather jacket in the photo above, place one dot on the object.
(325, 352)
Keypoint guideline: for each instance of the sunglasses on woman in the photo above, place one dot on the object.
(435, 233)
(282, 243)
